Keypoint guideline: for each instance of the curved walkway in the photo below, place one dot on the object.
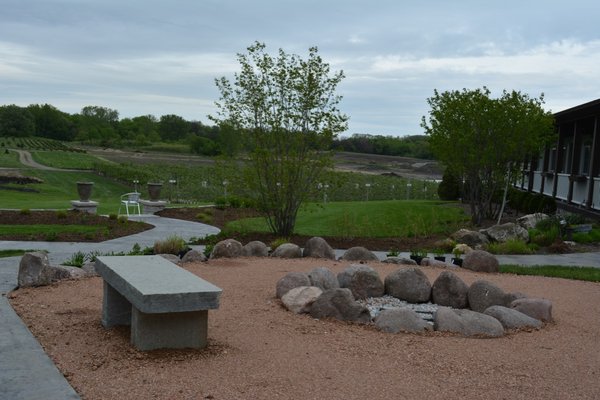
(26, 372)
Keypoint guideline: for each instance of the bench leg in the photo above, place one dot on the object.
(169, 330)
(116, 309)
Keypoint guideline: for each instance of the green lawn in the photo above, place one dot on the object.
(9, 160)
(65, 159)
(59, 188)
(555, 271)
(48, 229)
(391, 218)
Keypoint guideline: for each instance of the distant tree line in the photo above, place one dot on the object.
(415, 146)
(96, 125)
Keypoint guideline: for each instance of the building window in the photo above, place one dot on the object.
(567, 150)
(552, 160)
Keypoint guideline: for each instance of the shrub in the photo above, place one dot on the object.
(449, 188)
(208, 249)
(112, 216)
(77, 259)
(50, 237)
(509, 247)
(204, 217)
(592, 236)
(122, 219)
(221, 203)
(61, 214)
(25, 211)
(171, 245)
(278, 242)
(393, 253)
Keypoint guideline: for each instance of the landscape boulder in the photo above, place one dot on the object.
(362, 280)
(467, 323)
(512, 319)
(473, 239)
(69, 272)
(432, 262)
(481, 261)
(505, 232)
(317, 247)
(409, 285)
(193, 256)
(339, 304)
(300, 299)
(401, 320)
(287, 250)
(228, 248)
(323, 278)
(255, 248)
(34, 270)
(450, 291)
(359, 253)
(529, 221)
(399, 260)
(483, 294)
(290, 281)
(535, 308)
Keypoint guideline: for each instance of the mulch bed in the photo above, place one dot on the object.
(114, 228)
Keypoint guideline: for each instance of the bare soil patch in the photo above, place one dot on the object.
(258, 350)
(112, 227)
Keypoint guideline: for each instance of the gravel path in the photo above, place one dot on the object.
(258, 350)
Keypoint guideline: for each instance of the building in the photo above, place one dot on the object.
(569, 170)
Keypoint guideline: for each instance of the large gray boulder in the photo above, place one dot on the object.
(535, 308)
(401, 320)
(170, 257)
(483, 294)
(529, 221)
(481, 261)
(339, 304)
(228, 248)
(450, 291)
(409, 285)
(467, 323)
(300, 299)
(317, 247)
(69, 272)
(473, 239)
(505, 232)
(362, 280)
(287, 250)
(290, 281)
(399, 260)
(359, 253)
(255, 248)
(34, 270)
(193, 256)
(512, 319)
(323, 278)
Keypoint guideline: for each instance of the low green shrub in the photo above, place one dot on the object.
(25, 211)
(278, 242)
(77, 259)
(208, 249)
(122, 219)
(509, 247)
(592, 236)
(204, 217)
(61, 214)
(112, 216)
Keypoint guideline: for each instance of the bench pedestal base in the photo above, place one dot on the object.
(152, 207)
(85, 206)
(175, 330)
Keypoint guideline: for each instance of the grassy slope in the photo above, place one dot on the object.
(60, 187)
(370, 219)
(9, 160)
(63, 159)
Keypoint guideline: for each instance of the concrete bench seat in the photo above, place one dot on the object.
(166, 306)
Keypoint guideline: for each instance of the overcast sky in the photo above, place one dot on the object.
(161, 57)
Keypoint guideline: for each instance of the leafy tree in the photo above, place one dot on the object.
(16, 121)
(286, 109)
(484, 140)
(51, 122)
(173, 127)
(203, 146)
(97, 124)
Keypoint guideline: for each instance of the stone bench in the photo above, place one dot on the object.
(166, 306)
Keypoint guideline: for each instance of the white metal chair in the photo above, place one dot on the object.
(130, 200)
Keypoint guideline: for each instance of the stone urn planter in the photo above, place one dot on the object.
(84, 190)
(154, 191)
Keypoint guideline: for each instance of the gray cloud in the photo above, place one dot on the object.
(159, 57)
